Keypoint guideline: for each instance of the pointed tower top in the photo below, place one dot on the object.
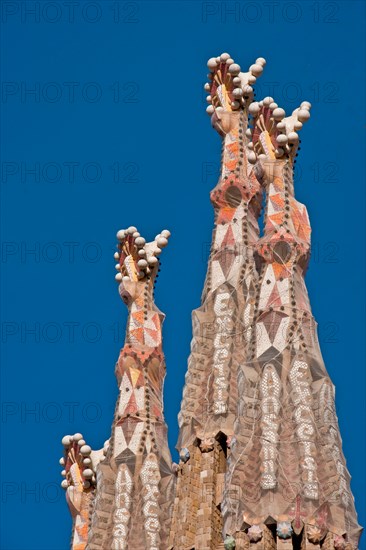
(138, 259)
(230, 89)
(275, 136)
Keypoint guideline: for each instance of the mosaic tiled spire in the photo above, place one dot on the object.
(126, 492)
(79, 463)
(286, 472)
(221, 325)
(208, 409)
(261, 460)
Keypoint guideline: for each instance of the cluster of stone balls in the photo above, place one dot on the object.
(286, 127)
(241, 82)
(146, 253)
(83, 453)
(242, 90)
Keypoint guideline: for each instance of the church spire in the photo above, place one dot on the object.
(121, 497)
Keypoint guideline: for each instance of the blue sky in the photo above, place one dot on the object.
(115, 133)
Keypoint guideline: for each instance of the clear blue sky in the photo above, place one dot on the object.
(117, 133)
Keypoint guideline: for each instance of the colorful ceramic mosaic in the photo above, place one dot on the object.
(261, 462)
(127, 502)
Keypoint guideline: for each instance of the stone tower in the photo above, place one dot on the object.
(261, 463)
(121, 496)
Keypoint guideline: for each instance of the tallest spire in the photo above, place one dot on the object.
(221, 325)
(209, 399)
